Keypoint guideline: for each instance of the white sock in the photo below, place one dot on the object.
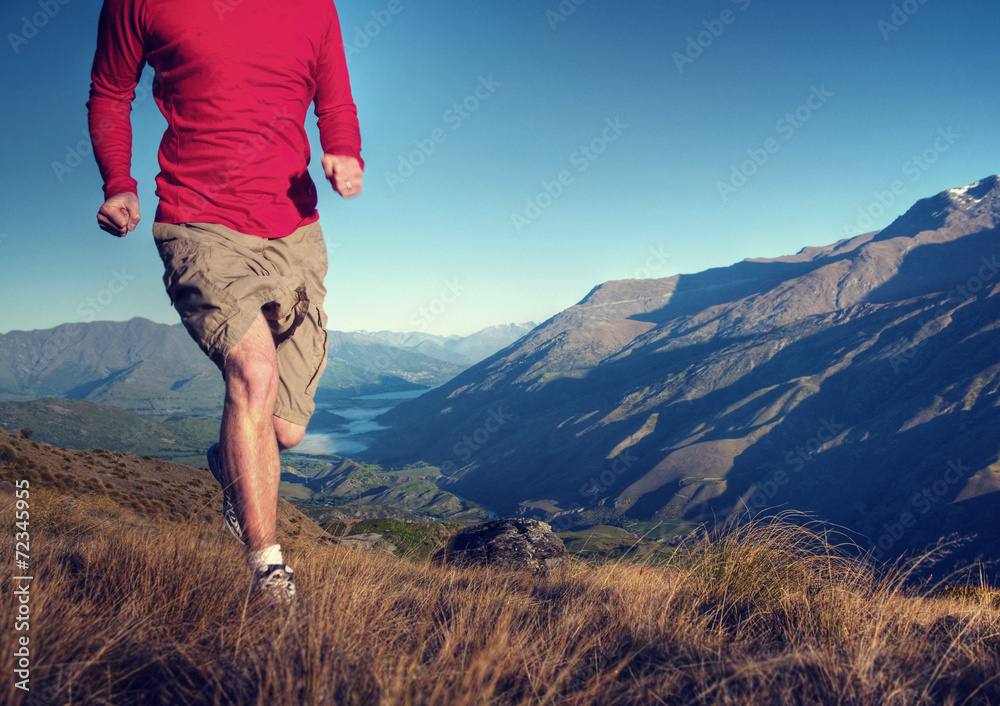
(266, 557)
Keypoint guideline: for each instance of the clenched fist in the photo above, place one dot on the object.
(344, 173)
(119, 214)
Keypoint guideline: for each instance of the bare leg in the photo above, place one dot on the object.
(252, 436)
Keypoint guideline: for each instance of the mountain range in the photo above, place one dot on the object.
(461, 350)
(855, 381)
(136, 365)
(157, 369)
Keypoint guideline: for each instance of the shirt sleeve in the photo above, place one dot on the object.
(117, 67)
(335, 110)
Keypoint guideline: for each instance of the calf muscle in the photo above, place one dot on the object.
(248, 440)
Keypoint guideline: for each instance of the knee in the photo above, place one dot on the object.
(251, 381)
(288, 435)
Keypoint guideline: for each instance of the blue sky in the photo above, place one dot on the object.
(520, 153)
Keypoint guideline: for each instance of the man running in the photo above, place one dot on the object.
(236, 225)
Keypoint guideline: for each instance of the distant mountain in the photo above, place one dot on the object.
(856, 381)
(462, 350)
(137, 365)
(154, 368)
(359, 364)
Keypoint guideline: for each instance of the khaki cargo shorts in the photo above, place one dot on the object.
(219, 280)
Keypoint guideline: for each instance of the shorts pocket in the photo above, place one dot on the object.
(320, 354)
(204, 308)
(286, 313)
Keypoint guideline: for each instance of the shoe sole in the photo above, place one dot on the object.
(229, 514)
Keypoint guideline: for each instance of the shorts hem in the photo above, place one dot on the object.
(235, 331)
(289, 415)
(237, 327)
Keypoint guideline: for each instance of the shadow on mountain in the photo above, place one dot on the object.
(762, 368)
(839, 381)
(598, 392)
(81, 392)
(723, 285)
(960, 267)
(927, 268)
(889, 512)
(789, 469)
(925, 215)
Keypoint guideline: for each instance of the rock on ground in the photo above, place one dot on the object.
(505, 544)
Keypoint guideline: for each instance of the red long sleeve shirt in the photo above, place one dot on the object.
(234, 79)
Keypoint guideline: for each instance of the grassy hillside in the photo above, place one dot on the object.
(118, 488)
(75, 424)
(603, 542)
(327, 487)
(413, 541)
(137, 600)
(333, 487)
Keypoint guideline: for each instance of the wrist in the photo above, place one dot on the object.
(119, 187)
(344, 152)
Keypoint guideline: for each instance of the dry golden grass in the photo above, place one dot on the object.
(770, 613)
(137, 602)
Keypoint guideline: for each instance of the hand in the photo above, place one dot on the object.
(119, 214)
(344, 173)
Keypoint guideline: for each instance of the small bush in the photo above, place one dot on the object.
(8, 455)
(335, 528)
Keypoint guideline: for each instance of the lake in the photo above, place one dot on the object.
(355, 436)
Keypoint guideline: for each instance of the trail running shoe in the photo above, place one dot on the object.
(274, 584)
(229, 513)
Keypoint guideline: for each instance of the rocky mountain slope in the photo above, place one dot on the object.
(856, 381)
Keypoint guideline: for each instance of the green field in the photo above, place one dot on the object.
(75, 424)
(607, 542)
